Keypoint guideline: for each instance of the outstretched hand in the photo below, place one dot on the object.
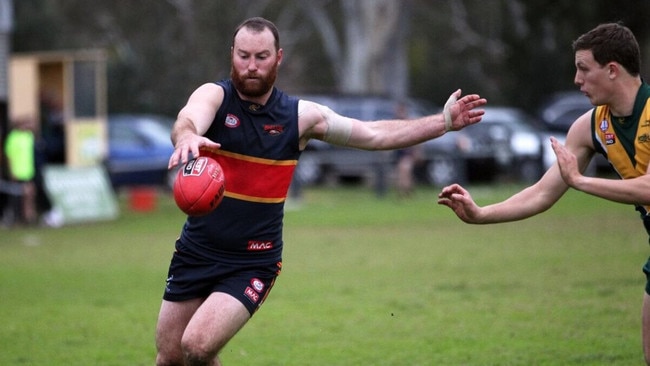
(190, 146)
(567, 162)
(460, 201)
(462, 112)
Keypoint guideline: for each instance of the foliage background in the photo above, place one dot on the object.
(513, 52)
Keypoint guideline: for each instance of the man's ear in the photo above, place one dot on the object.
(613, 69)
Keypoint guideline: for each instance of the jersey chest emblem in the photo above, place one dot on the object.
(273, 130)
(231, 121)
(604, 125)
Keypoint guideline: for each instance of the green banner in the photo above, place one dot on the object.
(80, 194)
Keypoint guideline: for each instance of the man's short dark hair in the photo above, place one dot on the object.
(612, 42)
(258, 24)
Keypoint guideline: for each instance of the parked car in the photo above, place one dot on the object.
(507, 141)
(139, 149)
(557, 113)
(561, 109)
(453, 157)
(524, 158)
(470, 154)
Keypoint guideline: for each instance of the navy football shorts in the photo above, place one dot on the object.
(191, 277)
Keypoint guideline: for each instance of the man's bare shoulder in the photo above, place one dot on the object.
(312, 119)
(210, 89)
(579, 134)
(208, 93)
(311, 113)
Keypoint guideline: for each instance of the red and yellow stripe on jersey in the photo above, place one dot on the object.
(255, 179)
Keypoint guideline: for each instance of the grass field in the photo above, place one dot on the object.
(365, 282)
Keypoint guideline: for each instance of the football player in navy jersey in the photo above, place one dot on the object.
(226, 262)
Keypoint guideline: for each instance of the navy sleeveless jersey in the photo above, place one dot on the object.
(259, 152)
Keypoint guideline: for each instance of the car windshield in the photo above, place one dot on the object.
(157, 130)
(516, 120)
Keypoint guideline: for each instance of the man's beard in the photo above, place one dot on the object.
(253, 87)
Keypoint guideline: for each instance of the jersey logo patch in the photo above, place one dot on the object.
(231, 121)
(604, 125)
(273, 130)
(610, 138)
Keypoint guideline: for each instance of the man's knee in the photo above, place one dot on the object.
(169, 359)
(198, 353)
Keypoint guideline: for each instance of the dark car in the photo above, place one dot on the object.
(139, 149)
(507, 142)
(453, 157)
(557, 113)
(523, 160)
(470, 154)
(561, 109)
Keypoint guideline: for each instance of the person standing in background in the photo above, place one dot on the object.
(19, 150)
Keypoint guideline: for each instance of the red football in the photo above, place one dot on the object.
(199, 186)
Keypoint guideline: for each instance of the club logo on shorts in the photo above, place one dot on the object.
(259, 245)
(257, 284)
(252, 295)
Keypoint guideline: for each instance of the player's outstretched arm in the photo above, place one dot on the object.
(193, 121)
(319, 122)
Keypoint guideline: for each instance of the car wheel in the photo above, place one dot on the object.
(443, 170)
(309, 170)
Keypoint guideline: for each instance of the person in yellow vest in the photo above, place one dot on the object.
(19, 151)
(608, 63)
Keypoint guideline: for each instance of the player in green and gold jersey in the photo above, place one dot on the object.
(608, 62)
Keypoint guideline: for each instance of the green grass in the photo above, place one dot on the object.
(365, 282)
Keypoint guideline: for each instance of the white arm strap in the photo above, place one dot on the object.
(339, 128)
(447, 113)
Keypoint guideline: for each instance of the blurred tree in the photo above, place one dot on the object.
(511, 51)
(367, 50)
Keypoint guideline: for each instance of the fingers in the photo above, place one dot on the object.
(556, 145)
(189, 148)
(448, 191)
(473, 101)
(173, 160)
